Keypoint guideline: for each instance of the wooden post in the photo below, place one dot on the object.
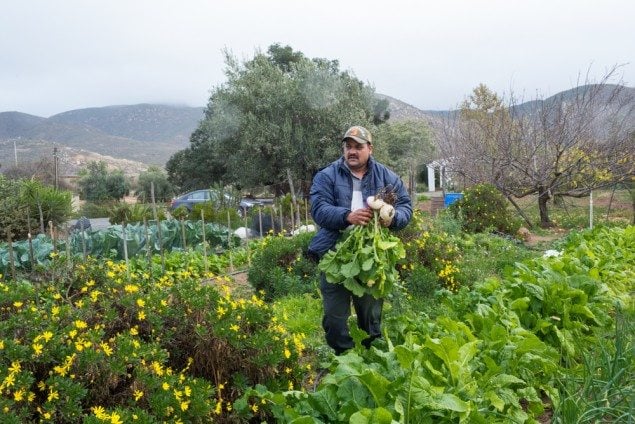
(281, 219)
(248, 244)
(148, 246)
(69, 257)
(229, 242)
(183, 234)
(81, 227)
(260, 219)
(204, 243)
(125, 249)
(273, 218)
(11, 256)
(31, 254)
(158, 224)
(52, 232)
(292, 217)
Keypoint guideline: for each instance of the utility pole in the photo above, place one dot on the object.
(15, 153)
(55, 167)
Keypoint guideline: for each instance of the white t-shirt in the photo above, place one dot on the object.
(357, 201)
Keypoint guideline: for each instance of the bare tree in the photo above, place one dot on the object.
(565, 146)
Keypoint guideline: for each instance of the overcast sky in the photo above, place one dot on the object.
(59, 55)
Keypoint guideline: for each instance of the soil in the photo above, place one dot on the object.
(546, 239)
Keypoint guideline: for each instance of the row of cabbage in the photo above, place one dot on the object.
(116, 241)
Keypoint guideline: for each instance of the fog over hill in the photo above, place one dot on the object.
(135, 136)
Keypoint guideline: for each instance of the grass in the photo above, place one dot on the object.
(602, 388)
(609, 208)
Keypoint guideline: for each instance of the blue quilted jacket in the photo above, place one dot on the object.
(331, 194)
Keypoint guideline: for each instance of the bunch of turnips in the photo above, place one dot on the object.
(365, 258)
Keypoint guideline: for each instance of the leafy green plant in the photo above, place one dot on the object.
(108, 243)
(365, 260)
(482, 208)
(279, 266)
(98, 184)
(491, 355)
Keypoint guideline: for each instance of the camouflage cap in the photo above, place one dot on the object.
(359, 134)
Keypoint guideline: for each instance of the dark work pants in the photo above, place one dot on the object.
(337, 309)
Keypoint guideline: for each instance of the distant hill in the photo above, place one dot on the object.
(145, 122)
(142, 134)
(134, 136)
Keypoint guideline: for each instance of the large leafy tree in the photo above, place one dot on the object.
(564, 146)
(279, 116)
(405, 146)
(97, 184)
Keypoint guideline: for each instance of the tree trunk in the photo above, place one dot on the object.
(543, 198)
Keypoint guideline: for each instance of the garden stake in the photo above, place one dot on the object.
(247, 238)
(183, 233)
(31, 255)
(68, 250)
(281, 219)
(81, 227)
(158, 224)
(229, 242)
(273, 218)
(292, 217)
(260, 219)
(148, 246)
(51, 230)
(297, 214)
(125, 249)
(204, 246)
(10, 242)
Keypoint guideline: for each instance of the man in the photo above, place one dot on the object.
(338, 196)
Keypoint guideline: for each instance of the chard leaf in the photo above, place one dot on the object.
(495, 400)
(504, 380)
(350, 269)
(386, 244)
(520, 304)
(451, 402)
(368, 264)
(326, 401)
(371, 416)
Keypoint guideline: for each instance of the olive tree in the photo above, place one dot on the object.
(277, 118)
(97, 184)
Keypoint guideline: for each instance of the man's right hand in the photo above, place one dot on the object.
(360, 216)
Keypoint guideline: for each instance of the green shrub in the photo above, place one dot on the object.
(14, 214)
(29, 203)
(97, 184)
(279, 266)
(154, 176)
(121, 212)
(211, 213)
(483, 209)
(95, 210)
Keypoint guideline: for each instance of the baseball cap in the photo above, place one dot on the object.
(359, 134)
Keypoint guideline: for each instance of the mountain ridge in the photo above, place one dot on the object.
(149, 134)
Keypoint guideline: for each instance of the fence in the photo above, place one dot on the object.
(148, 238)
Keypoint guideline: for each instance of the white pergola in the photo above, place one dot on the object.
(439, 164)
